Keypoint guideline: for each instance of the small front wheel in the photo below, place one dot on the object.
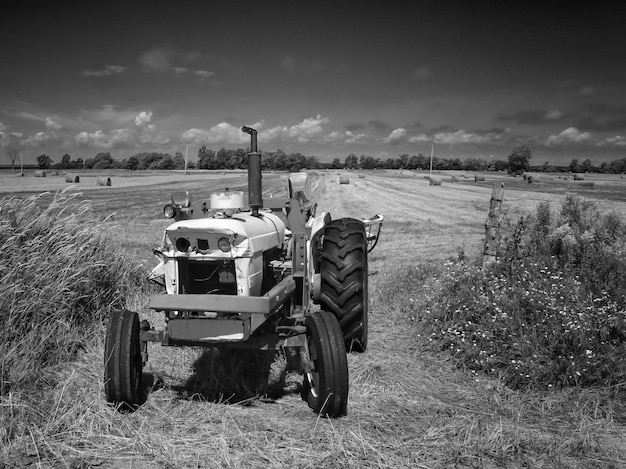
(122, 360)
(326, 385)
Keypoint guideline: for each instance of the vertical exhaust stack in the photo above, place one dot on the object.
(255, 190)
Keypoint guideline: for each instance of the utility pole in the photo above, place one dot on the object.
(432, 149)
(186, 152)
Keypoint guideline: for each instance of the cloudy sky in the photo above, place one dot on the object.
(321, 78)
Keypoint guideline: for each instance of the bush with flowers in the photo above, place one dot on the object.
(550, 312)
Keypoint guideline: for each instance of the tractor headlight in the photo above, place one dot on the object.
(182, 244)
(169, 211)
(223, 244)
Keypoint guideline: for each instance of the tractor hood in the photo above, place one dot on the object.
(247, 235)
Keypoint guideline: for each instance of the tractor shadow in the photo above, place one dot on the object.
(240, 376)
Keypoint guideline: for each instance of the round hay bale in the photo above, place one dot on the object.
(529, 179)
(455, 179)
(578, 177)
(479, 178)
(103, 181)
(344, 180)
(434, 182)
(40, 174)
(72, 178)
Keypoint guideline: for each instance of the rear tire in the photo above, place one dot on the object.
(344, 279)
(326, 392)
(123, 366)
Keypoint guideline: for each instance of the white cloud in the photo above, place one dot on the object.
(308, 129)
(420, 138)
(462, 136)
(569, 135)
(203, 74)
(356, 138)
(395, 136)
(143, 118)
(52, 124)
(107, 71)
(618, 140)
(422, 73)
(220, 133)
(345, 137)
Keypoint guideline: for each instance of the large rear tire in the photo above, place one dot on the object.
(326, 388)
(123, 366)
(344, 279)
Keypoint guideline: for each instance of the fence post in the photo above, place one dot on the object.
(492, 224)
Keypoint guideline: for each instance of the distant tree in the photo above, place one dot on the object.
(44, 161)
(65, 161)
(573, 166)
(519, 159)
(179, 161)
(352, 162)
(500, 165)
(167, 162)
(104, 161)
(336, 163)
(13, 148)
(132, 163)
(586, 166)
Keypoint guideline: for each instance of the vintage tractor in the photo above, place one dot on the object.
(272, 275)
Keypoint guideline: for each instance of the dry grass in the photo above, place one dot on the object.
(408, 407)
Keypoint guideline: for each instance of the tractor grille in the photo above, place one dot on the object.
(207, 277)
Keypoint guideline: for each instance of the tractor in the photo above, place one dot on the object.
(272, 275)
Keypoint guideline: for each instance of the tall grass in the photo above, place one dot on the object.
(551, 312)
(60, 278)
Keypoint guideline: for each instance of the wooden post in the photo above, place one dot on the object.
(492, 224)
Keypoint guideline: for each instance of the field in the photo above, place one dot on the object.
(408, 407)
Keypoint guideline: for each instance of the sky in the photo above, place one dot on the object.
(326, 79)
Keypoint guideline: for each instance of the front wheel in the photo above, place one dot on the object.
(122, 360)
(326, 385)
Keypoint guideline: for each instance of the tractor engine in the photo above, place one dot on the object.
(227, 252)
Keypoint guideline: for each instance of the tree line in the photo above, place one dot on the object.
(517, 162)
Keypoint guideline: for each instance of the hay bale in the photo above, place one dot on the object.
(479, 178)
(578, 177)
(103, 181)
(530, 179)
(361, 176)
(434, 182)
(455, 179)
(72, 178)
(344, 180)
(40, 174)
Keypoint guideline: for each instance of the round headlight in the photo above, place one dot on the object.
(169, 211)
(182, 244)
(223, 244)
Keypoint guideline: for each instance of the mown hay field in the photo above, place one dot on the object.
(409, 406)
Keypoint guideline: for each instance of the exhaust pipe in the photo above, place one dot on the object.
(255, 190)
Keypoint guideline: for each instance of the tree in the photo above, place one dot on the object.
(336, 163)
(519, 159)
(573, 166)
(352, 162)
(13, 148)
(65, 161)
(44, 161)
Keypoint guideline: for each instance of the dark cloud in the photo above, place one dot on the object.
(601, 117)
(525, 117)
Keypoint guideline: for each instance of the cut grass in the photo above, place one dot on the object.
(408, 407)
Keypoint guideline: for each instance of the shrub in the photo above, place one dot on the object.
(60, 278)
(550, 312)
